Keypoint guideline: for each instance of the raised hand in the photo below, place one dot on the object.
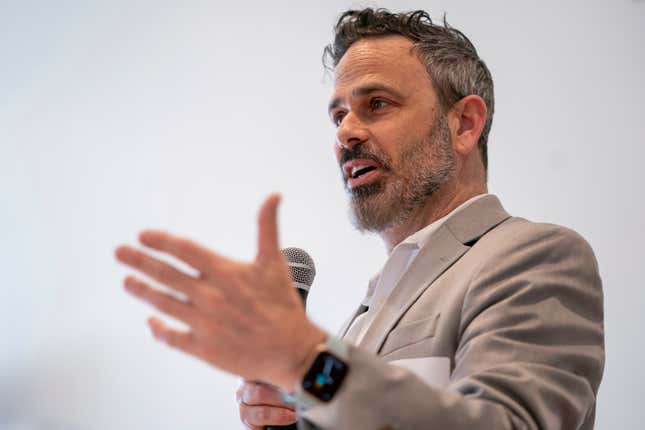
(243, 318)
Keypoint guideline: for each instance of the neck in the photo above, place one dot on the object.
(440, 204)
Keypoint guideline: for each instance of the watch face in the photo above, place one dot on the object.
(324, 376)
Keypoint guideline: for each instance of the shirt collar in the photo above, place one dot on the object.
(420, 238)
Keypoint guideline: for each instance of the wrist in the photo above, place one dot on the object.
(304, 359)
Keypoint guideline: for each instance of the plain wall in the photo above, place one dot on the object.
(121, 115)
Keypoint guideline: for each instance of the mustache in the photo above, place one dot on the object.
(360, 152)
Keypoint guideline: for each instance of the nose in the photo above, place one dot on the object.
(351, 132)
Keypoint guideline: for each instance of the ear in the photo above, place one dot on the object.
(466, 119)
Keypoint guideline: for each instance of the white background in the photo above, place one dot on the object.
(121, 115)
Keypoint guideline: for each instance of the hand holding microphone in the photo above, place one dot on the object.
(261, 404)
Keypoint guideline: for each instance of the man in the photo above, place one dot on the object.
(477, 320)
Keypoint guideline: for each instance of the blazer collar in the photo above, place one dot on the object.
(445, 246)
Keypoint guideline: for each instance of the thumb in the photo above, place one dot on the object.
(268, 243)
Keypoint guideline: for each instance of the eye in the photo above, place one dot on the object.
(337, 118)
(377, 104)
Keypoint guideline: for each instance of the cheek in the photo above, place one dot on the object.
(388, 141)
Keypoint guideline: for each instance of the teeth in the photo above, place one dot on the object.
(356, 169)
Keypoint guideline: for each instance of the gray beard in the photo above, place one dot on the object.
(386, 204)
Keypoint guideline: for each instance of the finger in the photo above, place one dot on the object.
(238, 393)
(165, 303)
(182, 340)
(257, 393)
(185, 250)
(268, 243)
(266, 415)
(157, 269)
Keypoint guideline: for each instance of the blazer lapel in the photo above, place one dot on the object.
(345, 328)
(445, 246)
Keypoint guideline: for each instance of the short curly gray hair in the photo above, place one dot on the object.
(452, 61)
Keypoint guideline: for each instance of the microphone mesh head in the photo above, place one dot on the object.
(301, 265)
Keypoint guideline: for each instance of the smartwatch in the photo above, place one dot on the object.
(324, 377)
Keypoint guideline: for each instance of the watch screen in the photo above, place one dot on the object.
(324, 376)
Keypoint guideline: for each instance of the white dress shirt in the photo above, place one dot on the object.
(399, 260)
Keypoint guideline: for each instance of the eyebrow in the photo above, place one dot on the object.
(363, 91)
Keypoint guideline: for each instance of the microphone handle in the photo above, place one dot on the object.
(303, 295)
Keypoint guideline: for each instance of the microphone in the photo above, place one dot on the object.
(302, 271)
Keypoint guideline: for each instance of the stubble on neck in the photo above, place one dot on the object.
(446, 199)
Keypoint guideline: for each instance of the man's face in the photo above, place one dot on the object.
(392, 141)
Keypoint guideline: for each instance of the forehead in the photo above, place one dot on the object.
(388, 60)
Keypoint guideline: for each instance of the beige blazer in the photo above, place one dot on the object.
(497, 324)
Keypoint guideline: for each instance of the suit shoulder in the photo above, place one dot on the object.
(522, 260)
(517, 234)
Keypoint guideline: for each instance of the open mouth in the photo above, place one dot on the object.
(361, 172)
(358, 171)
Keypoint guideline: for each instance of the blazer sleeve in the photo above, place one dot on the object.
(530, 351)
